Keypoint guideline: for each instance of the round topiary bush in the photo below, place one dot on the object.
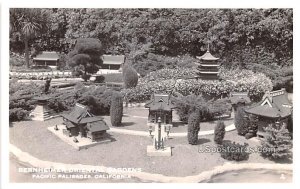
(193, 128)
(219, 132)
(116, 109)
(130, 76)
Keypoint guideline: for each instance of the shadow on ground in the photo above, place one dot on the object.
(126, 124)
(178, 124)
(203, 141)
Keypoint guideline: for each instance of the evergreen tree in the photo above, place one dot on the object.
(277, 143)
(193, 128)
(130, 76)
(116, 109)
(252, 126)
(240, 122)
(85, 57)
(219, 132)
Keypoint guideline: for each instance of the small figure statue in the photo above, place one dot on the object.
(47, 85)
(75, 140)
(56, 128)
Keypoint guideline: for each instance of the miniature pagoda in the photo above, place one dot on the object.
(160, 106)
(80, 122)
(208, 68)
(239, 99)
(274, 107)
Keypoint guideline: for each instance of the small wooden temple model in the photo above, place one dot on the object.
(239, 99)
(274, 107)
(112, 62)
(160, 106)
(208, 68)
(46, 59)
(80, 122)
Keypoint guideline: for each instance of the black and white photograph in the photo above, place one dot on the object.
(149, 95)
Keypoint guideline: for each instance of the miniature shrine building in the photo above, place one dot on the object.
(160, 106)
(112, 62)
(208, 68)
(80, 122)
(46, 59)
(239, 99)
(274, 107)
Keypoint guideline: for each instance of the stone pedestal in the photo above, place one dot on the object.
(83, 143)
(160, 135)
(151, 151)
(40, 113)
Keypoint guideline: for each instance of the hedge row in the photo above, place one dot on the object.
(207, 109)
(181, 81)
(97, 99)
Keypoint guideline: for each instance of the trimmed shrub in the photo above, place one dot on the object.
(116, 109)
(186, 105)
(219, 132)
(193, 128)
(130, 76)
(14, 61)
(234, 151)
(18, 114)
(99, 79)
(20, 99)
(240, 122)
(181, 80)
(96, 98)
(219, 107)
(281, 77)
(277, 143)
(85, 77)
(208, 109)
(252, 126)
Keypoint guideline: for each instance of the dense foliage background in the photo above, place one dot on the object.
(255, 47)
(148, 36)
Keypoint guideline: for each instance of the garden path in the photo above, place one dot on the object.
(182, 134)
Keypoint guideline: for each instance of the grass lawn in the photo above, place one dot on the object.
(126, 151)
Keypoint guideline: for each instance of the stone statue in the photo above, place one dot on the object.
(47, 85)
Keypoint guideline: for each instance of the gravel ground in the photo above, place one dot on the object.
(136, 119)
(126, 151)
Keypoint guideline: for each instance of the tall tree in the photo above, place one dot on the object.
(86, 56)
(27, 23)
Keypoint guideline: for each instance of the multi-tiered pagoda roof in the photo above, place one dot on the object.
(208, 66)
